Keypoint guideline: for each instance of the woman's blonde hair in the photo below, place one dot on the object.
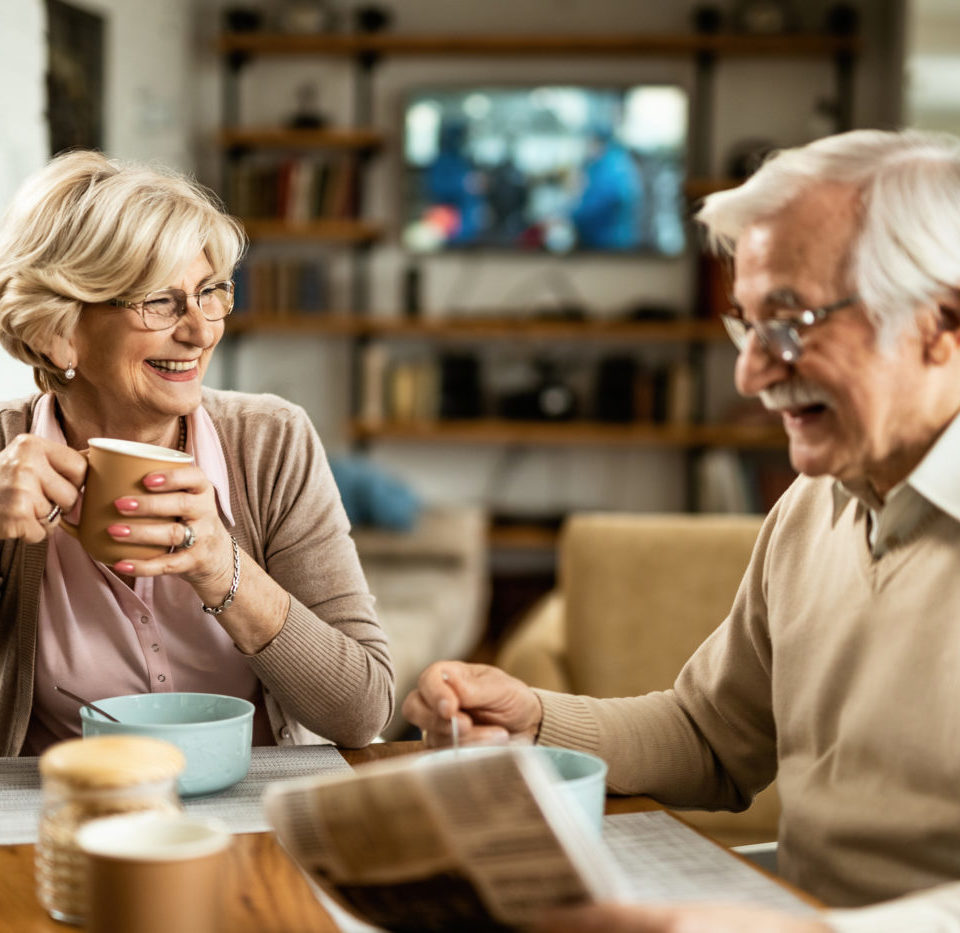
(86, 229)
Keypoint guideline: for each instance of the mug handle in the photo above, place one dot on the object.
(70, 528)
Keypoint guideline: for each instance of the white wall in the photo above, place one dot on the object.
(24, 142)
(147, 98)
(932, 65)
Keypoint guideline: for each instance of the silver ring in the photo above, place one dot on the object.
(189, 537)
(53, 515)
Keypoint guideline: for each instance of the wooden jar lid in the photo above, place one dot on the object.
(104, 761)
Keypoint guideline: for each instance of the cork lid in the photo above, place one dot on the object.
(111, 761)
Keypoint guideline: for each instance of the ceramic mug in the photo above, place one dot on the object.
(116, 468)
(153, 873)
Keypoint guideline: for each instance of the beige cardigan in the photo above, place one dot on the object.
(328, 673)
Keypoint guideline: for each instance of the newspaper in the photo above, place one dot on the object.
(426, 844)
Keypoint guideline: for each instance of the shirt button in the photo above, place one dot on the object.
(154, 647)
(284, 733)
(144, 619)
(161, 677)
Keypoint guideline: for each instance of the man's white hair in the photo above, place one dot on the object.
(907, 251)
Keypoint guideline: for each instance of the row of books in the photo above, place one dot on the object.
(281, 286)
(295, 190)
(428, 388)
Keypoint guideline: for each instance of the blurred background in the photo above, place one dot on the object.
(472, 259)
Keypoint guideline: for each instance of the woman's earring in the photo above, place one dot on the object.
(69, 373)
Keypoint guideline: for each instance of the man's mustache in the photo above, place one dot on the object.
(794, 393)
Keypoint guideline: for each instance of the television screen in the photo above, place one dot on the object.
(545, 168)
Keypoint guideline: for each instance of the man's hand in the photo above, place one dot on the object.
(491, 707)
(632, 918)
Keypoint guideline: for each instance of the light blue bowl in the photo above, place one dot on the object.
(581, 777)
(214, 732)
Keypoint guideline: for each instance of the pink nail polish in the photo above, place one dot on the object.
(118, 531)
(123, 566)
(154, 479)
(127, 504)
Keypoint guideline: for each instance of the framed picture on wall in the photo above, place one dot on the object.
(74, 77)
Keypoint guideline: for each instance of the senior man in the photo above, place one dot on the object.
(838, 668)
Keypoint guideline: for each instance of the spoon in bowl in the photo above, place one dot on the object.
(84, 702)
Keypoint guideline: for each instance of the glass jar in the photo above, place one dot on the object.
(83, 779)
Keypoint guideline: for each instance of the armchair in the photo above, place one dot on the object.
(637, 594)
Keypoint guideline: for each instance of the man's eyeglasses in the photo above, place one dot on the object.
(161, 310)
(781, 336)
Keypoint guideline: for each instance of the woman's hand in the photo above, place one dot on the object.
(490, 705)
(36, 475)
(178, 498)
(632, 918)
(184, 497)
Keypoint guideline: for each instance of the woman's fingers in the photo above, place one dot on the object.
(173, 502)
(36, 476)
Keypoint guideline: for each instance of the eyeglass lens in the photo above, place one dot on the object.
(779, 337)
(162, 309)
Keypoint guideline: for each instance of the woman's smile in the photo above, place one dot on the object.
(175, 370)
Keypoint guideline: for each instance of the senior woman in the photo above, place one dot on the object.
(114, 287)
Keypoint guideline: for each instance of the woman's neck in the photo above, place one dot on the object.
(78, 430)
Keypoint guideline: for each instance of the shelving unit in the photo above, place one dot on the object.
(574, 433)
(351, 319)
(367, 50)
(501, 325)
(795, 44)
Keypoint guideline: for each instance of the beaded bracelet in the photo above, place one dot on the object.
(232, 592)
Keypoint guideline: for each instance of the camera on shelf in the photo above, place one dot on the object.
(550, 398)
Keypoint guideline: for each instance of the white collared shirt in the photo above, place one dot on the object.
(933, 484)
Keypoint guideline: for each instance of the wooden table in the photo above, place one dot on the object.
(264, 891)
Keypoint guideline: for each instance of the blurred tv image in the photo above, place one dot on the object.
(549, 168)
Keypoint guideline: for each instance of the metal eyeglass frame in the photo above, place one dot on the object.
(181, 298)
(781, 337)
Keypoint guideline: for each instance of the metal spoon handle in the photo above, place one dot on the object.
(84, 702)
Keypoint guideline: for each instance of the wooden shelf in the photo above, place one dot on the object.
(326, 323)
(352, 138)
(696, 188)
(519, 327)
(331, 231)
(586, 433)
(679, 44)
(493, 327)
(530, 537)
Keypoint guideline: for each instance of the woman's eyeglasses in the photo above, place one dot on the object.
(781, 336)
(161, 310)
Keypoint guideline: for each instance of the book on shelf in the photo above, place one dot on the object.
(412, 390)
(472, 842)
(374, 361)
(296, 190)
(271, 286)
(626, 390)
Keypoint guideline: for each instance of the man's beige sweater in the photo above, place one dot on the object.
(328, 671)
(836, 672)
